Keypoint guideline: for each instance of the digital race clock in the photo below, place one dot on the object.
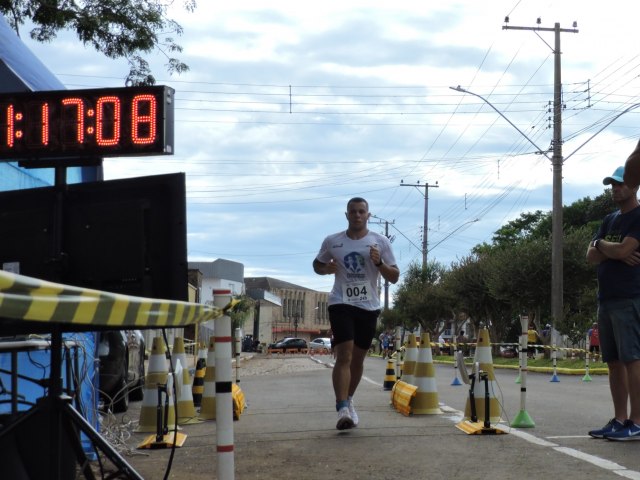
(104, 122)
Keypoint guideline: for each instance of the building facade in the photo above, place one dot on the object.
(304, 312)
(219, 275)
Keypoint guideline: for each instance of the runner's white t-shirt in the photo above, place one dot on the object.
(357, 277)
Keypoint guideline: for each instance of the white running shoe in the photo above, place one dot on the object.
(345, 421)
(353, 413)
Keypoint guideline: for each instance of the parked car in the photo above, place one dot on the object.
(322, 344)
(290, 343)
(121, 368)
(509, 351)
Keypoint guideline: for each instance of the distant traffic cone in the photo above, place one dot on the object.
(456, 381)
(208, 407)
(198, 378)
(426, 399)
(178, 353)
(485, 361)
(411, 356)
(389, 376)
(157, 374)
(186, 409)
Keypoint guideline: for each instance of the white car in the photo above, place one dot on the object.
(322, 345)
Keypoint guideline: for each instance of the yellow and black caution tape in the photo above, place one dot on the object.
(31, 299)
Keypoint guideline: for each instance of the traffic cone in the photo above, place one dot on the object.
(456, 381)
(402, 397)
(208, 405)
(411, 356)
(485, 361)
(186, 409)
(178, 353)
(426, 399)
(198, 378)
(157, 374)
(389, 376)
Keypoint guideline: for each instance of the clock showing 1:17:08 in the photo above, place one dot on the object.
(80, 123)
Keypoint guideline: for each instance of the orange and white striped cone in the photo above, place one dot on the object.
(178, 353)
(426, 399)
(198, 378)
(186, 409)
(485, 360)
(410, 359)
(157, 374)
(208, 405)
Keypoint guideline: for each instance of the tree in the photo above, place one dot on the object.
(115, 28)
(241, 312)
(525, 226)
(421, 298)
(467, 283)
(580, 287)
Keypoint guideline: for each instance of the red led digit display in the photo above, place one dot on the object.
(108, 119)
(143, 113)
(86, 123)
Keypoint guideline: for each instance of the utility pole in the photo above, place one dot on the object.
(425, 244)
(386, 282)
(557, 283)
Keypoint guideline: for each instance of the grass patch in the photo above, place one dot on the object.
(570, 363)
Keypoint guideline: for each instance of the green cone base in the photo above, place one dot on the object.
(523, 420)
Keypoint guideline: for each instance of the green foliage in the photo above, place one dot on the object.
(242, 311)
(115, 28)
(526, 226)
(421, 298)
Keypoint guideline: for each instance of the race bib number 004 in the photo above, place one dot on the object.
(356, 292)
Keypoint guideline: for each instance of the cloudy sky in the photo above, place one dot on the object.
(290, 110)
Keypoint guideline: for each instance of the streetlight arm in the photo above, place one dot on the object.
(628, 109)
(462, 90)
(454, 231)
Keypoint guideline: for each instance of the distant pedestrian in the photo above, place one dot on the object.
(386, 344)
(462, 343)
(532, 341)
(614, 249)
(356, 257)
(594, 338)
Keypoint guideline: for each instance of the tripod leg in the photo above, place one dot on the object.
(472, 400)
(101, 443)
(487, 406)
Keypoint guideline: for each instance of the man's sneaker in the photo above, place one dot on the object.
(613, 426)
(353, 413)
(631, 431)
(345, 421)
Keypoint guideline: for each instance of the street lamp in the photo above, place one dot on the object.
(557, 283)
(462, 90)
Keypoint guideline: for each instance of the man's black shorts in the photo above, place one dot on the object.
(353, 323)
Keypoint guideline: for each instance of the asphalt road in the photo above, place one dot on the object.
(288, 432)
